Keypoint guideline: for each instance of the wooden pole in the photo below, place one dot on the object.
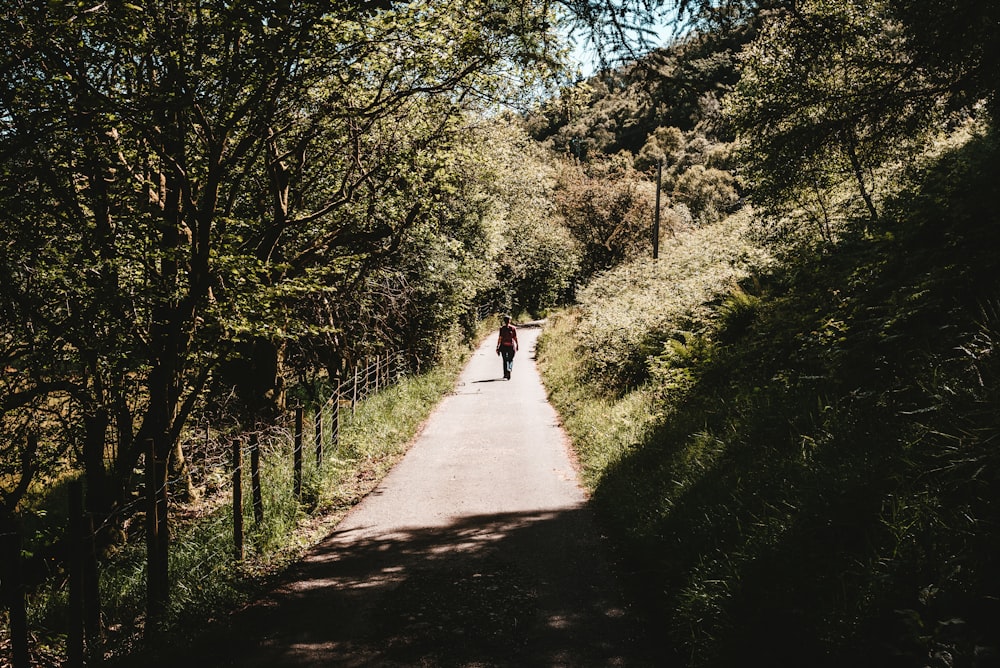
(152, 595)
(656, 214)
(335, 418)
(297, 454)
(256, 492)
(318, 434)
(162, 533)
(237, 461)
(157, 539)
(354, 391)
(93, 629)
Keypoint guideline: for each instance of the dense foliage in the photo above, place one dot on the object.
(808, 475)
(793, 446)
(208, 203)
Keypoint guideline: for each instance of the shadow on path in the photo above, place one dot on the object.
(518, 589)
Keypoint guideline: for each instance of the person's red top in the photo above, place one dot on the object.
(508, 337)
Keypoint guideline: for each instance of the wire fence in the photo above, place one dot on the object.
(373, 374)
(218, 468)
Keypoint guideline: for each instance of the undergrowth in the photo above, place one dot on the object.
(206, 580)
(627, 312)
(812, 477)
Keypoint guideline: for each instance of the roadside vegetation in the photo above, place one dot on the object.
(807, 470)
(787, 422)
(213, 213)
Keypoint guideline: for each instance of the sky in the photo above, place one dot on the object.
(585, 55)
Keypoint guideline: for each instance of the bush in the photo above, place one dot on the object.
(709, 193)
(608, 209)
(627, 313)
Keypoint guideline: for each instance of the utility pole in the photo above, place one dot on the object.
(656, 214)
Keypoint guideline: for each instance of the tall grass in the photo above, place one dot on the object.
(627, 313)
(812, 475)
(604, 428)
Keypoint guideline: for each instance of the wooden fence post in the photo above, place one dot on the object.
(335, 418)
(84, 638)
(318, 434)
(256, 492)
(75, 634)
(208, 444)
(237, 460)
(152, 595)
(354, 391)
(297, 454)
(91, 595)
(157, 539)
(368, 377)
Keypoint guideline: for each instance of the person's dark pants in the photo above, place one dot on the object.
(507, 353)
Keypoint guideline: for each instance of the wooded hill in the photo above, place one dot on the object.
(789, 421)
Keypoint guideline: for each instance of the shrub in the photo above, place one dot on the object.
(710, 193)
(609, 215)
(628, 312)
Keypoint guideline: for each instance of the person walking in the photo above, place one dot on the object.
(507, 346)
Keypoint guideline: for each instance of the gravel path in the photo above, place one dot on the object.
(476, 550)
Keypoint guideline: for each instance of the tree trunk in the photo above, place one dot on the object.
(180, 474)
(859, 176)
(12, 589)
(95, 426)
(171, 315)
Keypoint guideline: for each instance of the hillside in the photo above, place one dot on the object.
(798, 460)
(788, 421)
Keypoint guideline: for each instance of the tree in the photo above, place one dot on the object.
(954, 41)
(829, 91)
(192, 176)
(532, 257)
(709, 193)
(608, 209)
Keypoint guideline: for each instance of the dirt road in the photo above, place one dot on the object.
(476, 550)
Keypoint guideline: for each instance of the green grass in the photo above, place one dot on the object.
(206, 579)
(604, 428)
(812, 475)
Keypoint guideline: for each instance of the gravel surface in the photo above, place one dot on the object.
(478, 549)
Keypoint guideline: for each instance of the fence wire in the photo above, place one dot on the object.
(215, 455)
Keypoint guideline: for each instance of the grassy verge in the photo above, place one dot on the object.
(603, 428)
(206, 580)
(811, 474)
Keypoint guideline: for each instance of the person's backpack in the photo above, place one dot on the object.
(507, 336)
